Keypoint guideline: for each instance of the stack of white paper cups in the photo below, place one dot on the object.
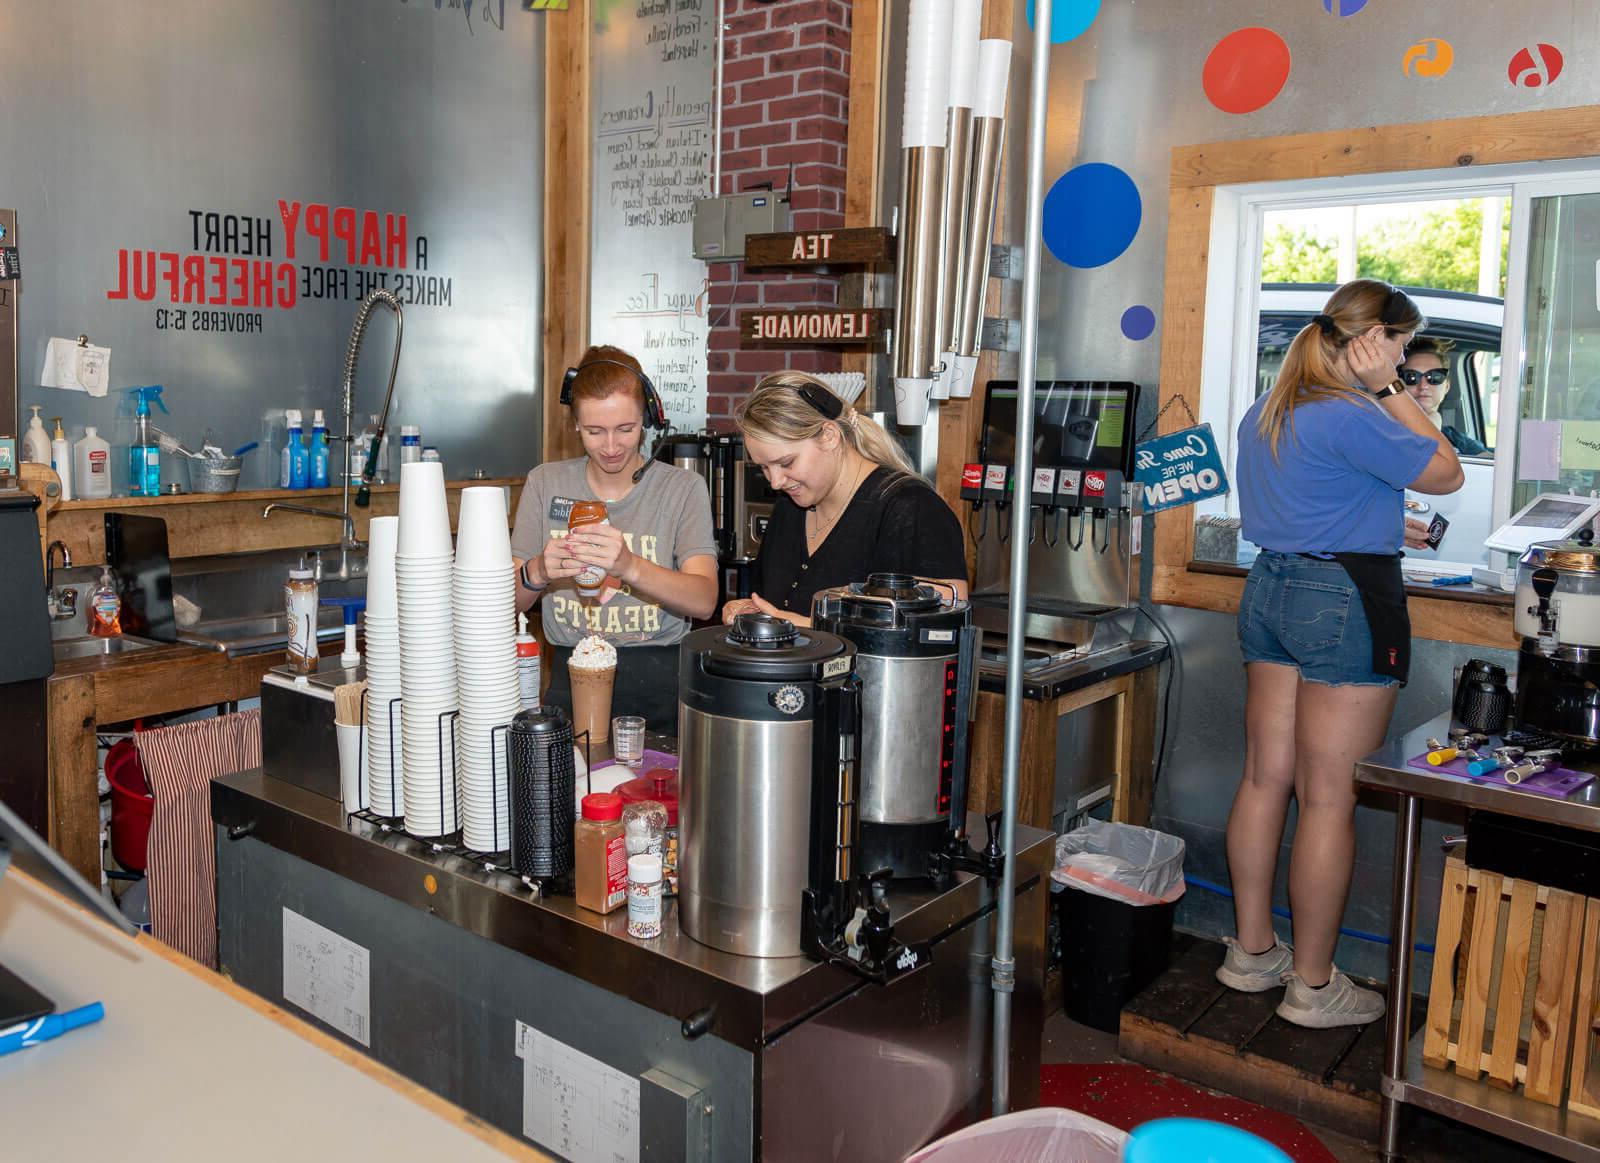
(484, 606)
(424, 568)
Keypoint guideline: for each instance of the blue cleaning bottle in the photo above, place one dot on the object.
(291, 441)
(319, 450)
(144, 454)
(299, 461)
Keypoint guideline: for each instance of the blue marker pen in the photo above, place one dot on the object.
(20, 1037)
(1460, 579)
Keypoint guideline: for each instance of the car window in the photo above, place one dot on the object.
(1474, 360)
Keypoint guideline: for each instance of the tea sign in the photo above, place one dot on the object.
(1179, 468)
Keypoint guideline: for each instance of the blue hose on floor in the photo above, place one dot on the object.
(1375, 938)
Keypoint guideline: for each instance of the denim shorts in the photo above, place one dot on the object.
(1305, 612)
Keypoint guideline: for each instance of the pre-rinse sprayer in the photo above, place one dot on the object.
(352, 356)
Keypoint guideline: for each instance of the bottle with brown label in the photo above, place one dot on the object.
(601, 854)
(588, 513)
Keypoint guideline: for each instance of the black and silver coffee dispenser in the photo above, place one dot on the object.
(916, 655)
(1557, 616)
(768, 730)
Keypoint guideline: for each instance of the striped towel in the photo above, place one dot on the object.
(180, 763)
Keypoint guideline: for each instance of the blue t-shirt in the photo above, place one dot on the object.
(1338, 482)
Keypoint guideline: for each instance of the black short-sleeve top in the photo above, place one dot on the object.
(894, 523)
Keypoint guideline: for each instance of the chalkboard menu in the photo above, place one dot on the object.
(652, 98)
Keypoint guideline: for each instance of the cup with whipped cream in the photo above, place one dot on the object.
(592, 672)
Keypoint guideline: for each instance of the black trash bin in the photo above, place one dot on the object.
(1109, 952)
(1120, 885)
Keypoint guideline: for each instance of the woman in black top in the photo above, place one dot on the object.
(849, 502)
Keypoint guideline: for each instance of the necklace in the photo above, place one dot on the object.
(815, 536)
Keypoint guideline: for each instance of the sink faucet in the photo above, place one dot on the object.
(358, 334)
(62, 604)
(352, 355)
(347, 543)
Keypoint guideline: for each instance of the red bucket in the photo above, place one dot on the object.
(132, 805)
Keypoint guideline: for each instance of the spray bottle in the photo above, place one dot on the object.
(144, 454)
(319, 451)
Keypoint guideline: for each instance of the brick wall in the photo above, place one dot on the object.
(785, 98)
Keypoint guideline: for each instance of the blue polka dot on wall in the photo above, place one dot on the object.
(1070, 19)
(1343, 8)
(1138, 322)
(1091, 214)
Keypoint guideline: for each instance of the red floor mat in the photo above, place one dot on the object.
(1126, 1096)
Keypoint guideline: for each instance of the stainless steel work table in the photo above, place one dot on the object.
(1405, 1078)
(807, 1035)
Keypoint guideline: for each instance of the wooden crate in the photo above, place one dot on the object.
(1505, 981)
(1585, 1091)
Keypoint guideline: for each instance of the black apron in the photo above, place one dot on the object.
(1377, 579)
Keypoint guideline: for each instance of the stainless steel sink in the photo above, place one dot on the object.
(237, 636)
(92, 647)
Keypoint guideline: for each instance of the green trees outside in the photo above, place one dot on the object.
(1437, 248)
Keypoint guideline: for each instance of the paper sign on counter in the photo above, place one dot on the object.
(328, 976)
(575, 1105)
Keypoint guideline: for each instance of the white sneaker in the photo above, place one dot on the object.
(1339, 1003)
(1255, 972)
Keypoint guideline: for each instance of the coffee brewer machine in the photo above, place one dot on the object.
(916, 655)
(1083, 532)
(768, 735)
(1557, 616)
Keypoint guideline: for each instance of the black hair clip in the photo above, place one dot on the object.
(1393, 307)
(1326, 323)
(822, 400)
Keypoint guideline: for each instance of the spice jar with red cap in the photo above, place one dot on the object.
(661, 785)
(602, 859)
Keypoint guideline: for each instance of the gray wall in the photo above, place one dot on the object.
(1126, 93)
(120, 119)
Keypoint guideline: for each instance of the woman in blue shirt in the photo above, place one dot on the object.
(1324, 460)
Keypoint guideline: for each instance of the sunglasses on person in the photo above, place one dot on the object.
(1411, 377)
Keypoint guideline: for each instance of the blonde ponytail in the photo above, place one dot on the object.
(778, 410)
(1310, 366)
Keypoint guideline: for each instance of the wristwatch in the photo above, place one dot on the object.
(1392, 388)
(527, 583)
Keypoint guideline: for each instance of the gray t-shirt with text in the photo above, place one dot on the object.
(666, 519)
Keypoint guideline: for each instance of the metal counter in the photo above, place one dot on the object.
(799, 1060)
(1405, 1078)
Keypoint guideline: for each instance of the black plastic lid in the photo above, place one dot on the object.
(543, 721)
(681, 446)
(766, 649)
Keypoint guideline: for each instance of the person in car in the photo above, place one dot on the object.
(1426, 376)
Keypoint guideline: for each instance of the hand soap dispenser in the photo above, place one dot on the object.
(36, 441)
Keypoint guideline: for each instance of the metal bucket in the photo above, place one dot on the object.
(214, 474)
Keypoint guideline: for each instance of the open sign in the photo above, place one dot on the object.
(1179, 469)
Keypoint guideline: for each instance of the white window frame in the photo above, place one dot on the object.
(1233, 285)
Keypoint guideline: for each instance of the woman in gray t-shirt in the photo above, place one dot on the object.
(658, 551)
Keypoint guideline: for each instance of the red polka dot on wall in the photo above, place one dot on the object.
(1534, 66)
(1246, 70)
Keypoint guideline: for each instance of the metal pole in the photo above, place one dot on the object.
(1021, 520)
(716, 104)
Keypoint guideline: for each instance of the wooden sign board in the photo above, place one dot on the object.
(866, 244)
(804, 327)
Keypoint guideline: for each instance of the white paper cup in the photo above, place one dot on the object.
(424, 511)
(381, 535)
(351, 787)
(483, 536)
(911, 402)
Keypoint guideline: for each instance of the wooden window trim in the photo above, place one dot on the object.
(1197, 170)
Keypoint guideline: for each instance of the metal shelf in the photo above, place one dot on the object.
(1499, 1112)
